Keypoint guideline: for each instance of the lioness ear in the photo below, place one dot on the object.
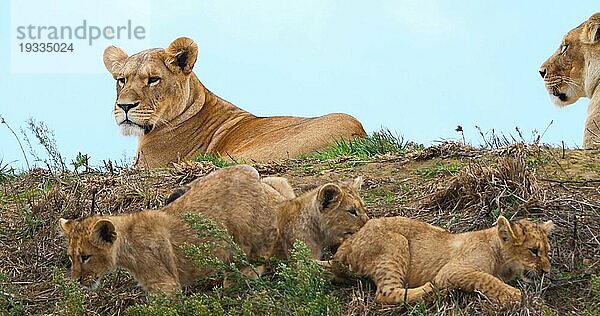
(181, 55)
(103, 233)
(114, 58)
(357, 183)
(591, 30)
(547, 227)
(329, 196)
(504, 230)
(65, 225)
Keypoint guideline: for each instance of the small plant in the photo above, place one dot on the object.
(215, 238)
(45, 137)
(6, 172)
(9, 297)
(2, 121)
(596, 286)
(305, 287)
(379, 143)
(71, 297)
(81, 160)
(32, 223)
(217, 160)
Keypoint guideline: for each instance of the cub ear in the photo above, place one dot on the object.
(103, 233)
(590, 34)
(65, 225)
(114, 58)
(547, 226)
(357, 183)
(181, 55)
(177, 194)
(329, 196)
(504, 230)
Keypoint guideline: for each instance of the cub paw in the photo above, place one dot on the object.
(510, 295)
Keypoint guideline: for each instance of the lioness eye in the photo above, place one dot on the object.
(152, 80)
(85, 258)
(121, 81)
(353, 211)
(564, 48)
(534, 251)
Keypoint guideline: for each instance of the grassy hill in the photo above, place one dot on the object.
(450, 185)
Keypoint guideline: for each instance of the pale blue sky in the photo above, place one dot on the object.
(419, 68)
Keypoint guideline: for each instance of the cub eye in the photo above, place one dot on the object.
(85, 258)
(353, 211)
(564, 48)
(534, 251)
(121, 81)
(153, 80)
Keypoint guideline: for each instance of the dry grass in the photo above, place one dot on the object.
(518, 181)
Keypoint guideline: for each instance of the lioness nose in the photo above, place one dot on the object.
(127, 106)
(543, 72)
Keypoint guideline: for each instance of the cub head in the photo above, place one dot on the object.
(152, 86)
(573, 71)
(342, 210)
(525, 247)
(90, 243)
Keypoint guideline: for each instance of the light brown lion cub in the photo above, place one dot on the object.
(148, 243)
(406, 258)
(322, 217)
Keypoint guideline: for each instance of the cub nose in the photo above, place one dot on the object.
(127, 106)
(543, 72)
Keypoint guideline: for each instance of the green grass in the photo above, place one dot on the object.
(71, 295)
(217, 160)
(9, 297)
(437, 169)
(32, 224)
(379, 194)
(7, 172)
(378, 143)
(596, 286)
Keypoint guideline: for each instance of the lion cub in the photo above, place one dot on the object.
(406, 258)
(148, 243)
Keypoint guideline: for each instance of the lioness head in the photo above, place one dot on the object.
(90, 241)
(152, 85)
(525, 247)
(342, 210)
(573, 71)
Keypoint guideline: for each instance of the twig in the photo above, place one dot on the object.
(2, 121)
(570, 181)
(545, 130)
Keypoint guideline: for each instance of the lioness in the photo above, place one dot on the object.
(148, 243)
(160, 100)
(406, 258)
(573, 71)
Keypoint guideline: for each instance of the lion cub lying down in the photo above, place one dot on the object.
(406, 258)
(148, 243)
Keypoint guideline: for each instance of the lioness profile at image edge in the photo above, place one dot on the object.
(408, 258)
(573, 72)
(262, 215)
(160, 100)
